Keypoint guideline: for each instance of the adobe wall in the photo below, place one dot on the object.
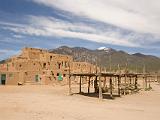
(12, 78)
(51, 77)
(32, 77)
(32, 53)
(3, 67)
(47, 66)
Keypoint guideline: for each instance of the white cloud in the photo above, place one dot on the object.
(18, 36)
(49, 26)
(10, 24)
(138, 15)
(51, 22)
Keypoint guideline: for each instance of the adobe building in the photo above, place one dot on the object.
(37, 66)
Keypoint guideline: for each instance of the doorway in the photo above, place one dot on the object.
(3, 79)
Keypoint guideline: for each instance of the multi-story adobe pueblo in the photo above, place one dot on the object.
(37, 66)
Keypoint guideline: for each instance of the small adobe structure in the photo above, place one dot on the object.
(38, 66)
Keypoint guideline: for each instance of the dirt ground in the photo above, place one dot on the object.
(54, 103)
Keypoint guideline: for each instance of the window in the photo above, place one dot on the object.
(57, 74)
(62, 63)
(59, 65)
(44, 65)
(50, 58)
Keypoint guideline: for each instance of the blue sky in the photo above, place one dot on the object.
(129, 25)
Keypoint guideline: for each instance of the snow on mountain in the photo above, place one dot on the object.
(104, 48)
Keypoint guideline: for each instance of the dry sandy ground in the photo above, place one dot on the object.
(52, 103)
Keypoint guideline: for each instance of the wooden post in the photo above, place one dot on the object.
(119, 88)
(110, 82)
(149, 85)
(136, 80)
(145, 81)
(89, 81)
(156, 78)
(104, 82)
(95, 85)
(100, 89)
(89, 84)
(130, 80)
(125, 84)
(145, 77)
(69, 82)
(115, 81)
(80, 84)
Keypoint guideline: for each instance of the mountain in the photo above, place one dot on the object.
(109, 58)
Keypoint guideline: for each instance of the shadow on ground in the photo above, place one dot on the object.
(96, 95)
